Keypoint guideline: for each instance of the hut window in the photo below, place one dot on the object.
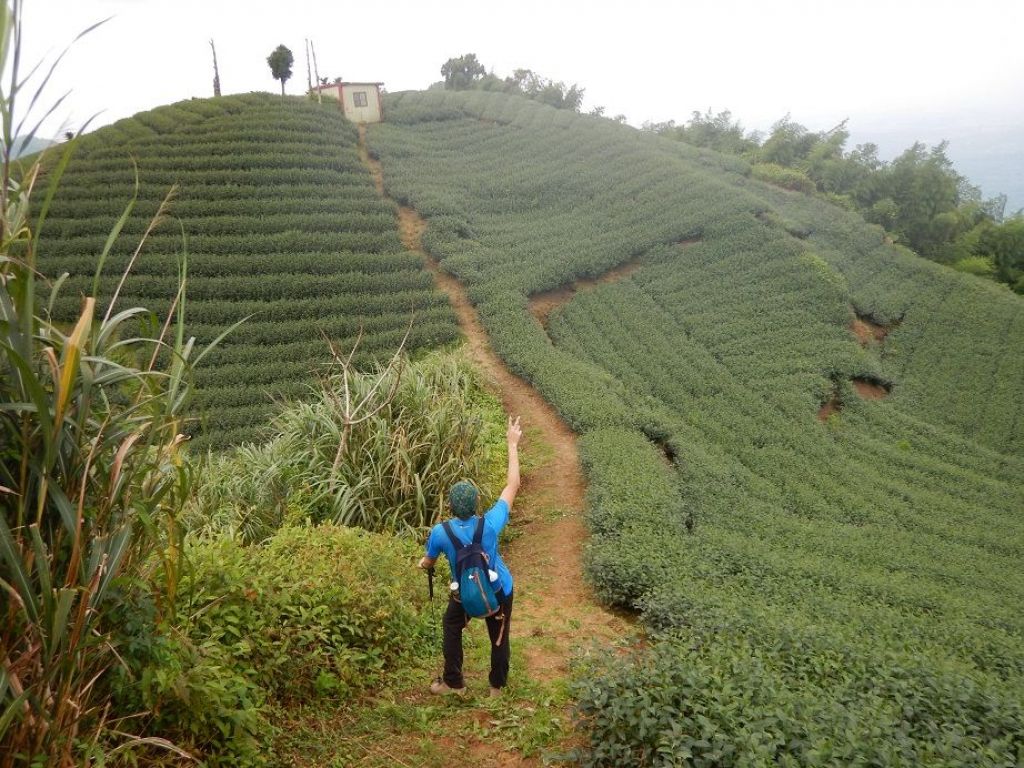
(359, 98)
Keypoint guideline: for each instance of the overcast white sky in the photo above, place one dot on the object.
(876, 62)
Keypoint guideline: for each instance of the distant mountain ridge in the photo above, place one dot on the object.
(21, 148)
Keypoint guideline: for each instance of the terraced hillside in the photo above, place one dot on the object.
(824, 527)
(283, 226)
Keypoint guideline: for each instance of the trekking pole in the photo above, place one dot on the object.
(433, 608)
(433, 612)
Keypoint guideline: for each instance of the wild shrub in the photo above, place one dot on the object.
(780, 176)
(91, 476)
(253, 630)
(376, 449)
(976, 265)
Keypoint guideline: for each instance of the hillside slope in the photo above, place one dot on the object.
(831, 587)
(283, 226)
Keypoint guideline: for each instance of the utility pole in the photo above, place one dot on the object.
(216, 72)
(316, 71)
(309, 76)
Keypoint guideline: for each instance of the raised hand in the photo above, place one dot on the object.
(514, 432)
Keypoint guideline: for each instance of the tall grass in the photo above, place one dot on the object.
(91, 479)
(376, 449)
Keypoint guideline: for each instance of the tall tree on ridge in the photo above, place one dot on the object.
(280, 62)
(460, 73)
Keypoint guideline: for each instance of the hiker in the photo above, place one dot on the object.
(467, 527)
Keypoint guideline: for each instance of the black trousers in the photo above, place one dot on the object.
(455, 622)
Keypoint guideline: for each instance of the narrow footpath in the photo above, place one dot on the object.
(555, 614)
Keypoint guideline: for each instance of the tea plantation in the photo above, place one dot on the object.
(824, 591)
(283, 226)
(836, 586)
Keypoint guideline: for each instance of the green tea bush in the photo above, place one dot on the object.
(729, 702)
(284, 227)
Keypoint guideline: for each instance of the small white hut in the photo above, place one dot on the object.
(360, 102)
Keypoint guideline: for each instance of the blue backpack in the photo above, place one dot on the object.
(479, 596)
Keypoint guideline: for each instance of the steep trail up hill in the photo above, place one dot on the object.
(552, 600)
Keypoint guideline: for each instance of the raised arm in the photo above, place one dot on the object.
(512, 482)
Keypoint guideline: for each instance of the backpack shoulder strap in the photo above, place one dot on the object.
(456, 541)
(478, 534)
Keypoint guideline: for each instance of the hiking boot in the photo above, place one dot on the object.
(440, 687)
(494, 692)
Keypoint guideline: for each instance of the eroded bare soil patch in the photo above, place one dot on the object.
(866, 389)
(542, 304)
(870, 390)
(867, 330)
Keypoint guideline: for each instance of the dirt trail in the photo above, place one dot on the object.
(553, 604)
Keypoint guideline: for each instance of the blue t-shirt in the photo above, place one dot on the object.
(494, 520)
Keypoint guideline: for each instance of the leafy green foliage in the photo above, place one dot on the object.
(462, 72)
(284, 228)
(976, 265)
(280, 62)
(918, 197)
(806, 580)
(787, 178)
(252, 631)
(712, 131)
(1004, 244)
(546, 91)
(467, 73)
(91, 479)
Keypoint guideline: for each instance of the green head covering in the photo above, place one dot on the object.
(462, 498)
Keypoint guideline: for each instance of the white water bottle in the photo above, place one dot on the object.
(492, 575)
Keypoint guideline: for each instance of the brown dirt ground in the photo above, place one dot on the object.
(827, 409)
(870, 390)
(552, 601)
(867, 331)
(865, 388)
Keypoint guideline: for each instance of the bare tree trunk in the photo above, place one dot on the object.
(216, 72)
